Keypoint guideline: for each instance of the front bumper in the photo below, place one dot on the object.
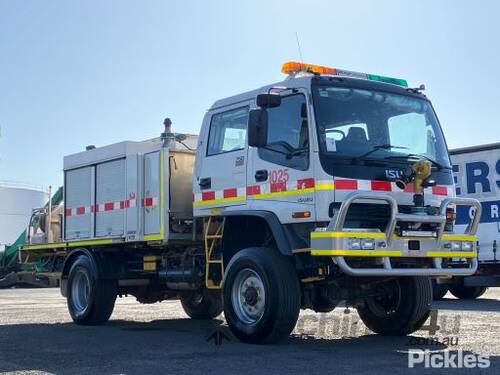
(370, 253)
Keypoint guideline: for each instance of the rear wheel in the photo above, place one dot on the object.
(402, 307)
(202, 304)
(467, 292)
(261, 295)
(438, 290)
(90, 300)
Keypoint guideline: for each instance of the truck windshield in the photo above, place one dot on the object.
(358, 123)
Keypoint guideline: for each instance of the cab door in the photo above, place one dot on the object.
(280, 176)
(220, 179)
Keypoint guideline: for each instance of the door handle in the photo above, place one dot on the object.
(261, 175)
(205, 183)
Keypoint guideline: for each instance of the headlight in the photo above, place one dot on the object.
(456, 246)
(467, 246)
(355, 243)
(368, 244)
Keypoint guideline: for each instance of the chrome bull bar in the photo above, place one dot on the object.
(385, 246)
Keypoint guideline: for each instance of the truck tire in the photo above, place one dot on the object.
(467, 292)
(438, 290)
(90, 300)
(204, 304)
(261, 295)
(403, 309)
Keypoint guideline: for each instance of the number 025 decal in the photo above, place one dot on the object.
(279, 176)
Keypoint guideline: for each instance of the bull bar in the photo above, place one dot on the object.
(386, 246)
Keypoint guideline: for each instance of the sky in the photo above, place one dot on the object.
(74, 73)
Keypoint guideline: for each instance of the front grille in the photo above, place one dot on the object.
(363, 215)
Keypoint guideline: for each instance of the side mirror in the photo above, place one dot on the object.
(268, 100)
(257, 127)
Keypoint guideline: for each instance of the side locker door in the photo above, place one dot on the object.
(151, 196)
(79, 203)
(280, 176)
(110, 195)
(220, 180)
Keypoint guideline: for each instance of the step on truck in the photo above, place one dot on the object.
(329, 186)
(476, 172)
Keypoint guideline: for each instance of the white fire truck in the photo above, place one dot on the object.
(330, 186)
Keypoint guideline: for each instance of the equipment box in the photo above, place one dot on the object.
(128, 191)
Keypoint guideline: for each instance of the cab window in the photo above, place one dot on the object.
(228, 131)
(288, 135)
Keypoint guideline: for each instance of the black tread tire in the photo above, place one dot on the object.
(467, 292)
(208, 307)
(282, 295)
(102, 295)
(438, 290)
(414, 309)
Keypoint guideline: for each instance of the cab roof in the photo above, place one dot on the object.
(301, 74)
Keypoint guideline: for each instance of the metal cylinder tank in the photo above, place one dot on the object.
(16, 202)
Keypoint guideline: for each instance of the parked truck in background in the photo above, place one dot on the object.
(329, 186)
(477, 175)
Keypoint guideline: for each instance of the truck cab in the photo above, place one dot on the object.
(344, 175)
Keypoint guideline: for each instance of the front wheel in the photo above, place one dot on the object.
(400, 308)
(90, 300)
(261, 295)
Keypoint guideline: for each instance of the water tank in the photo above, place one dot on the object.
(16, 202)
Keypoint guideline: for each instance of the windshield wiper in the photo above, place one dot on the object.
(379, 147)
(438, 165)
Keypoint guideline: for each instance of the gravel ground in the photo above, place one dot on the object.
(37, 336)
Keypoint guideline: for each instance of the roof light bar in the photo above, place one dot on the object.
(294, 67)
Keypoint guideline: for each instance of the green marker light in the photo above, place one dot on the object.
(394, 81)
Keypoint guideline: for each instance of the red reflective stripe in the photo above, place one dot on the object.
(440, 190)
(123, 204)
(409, 188)
(278, 186)
(67, 212)
(108, 206)
(305, 183)
(208, 195)
(346, 184)
(381, 185)
(80, 210)
(147, 202)
(230, 193)
(253, 189)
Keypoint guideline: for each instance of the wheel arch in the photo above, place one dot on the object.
(245, 229)
(100, 262)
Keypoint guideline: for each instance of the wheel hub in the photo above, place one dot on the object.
(388, 302)
(248, 296)
(80, 289)
(251, 296)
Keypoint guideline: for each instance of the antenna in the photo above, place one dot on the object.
(298, 45)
